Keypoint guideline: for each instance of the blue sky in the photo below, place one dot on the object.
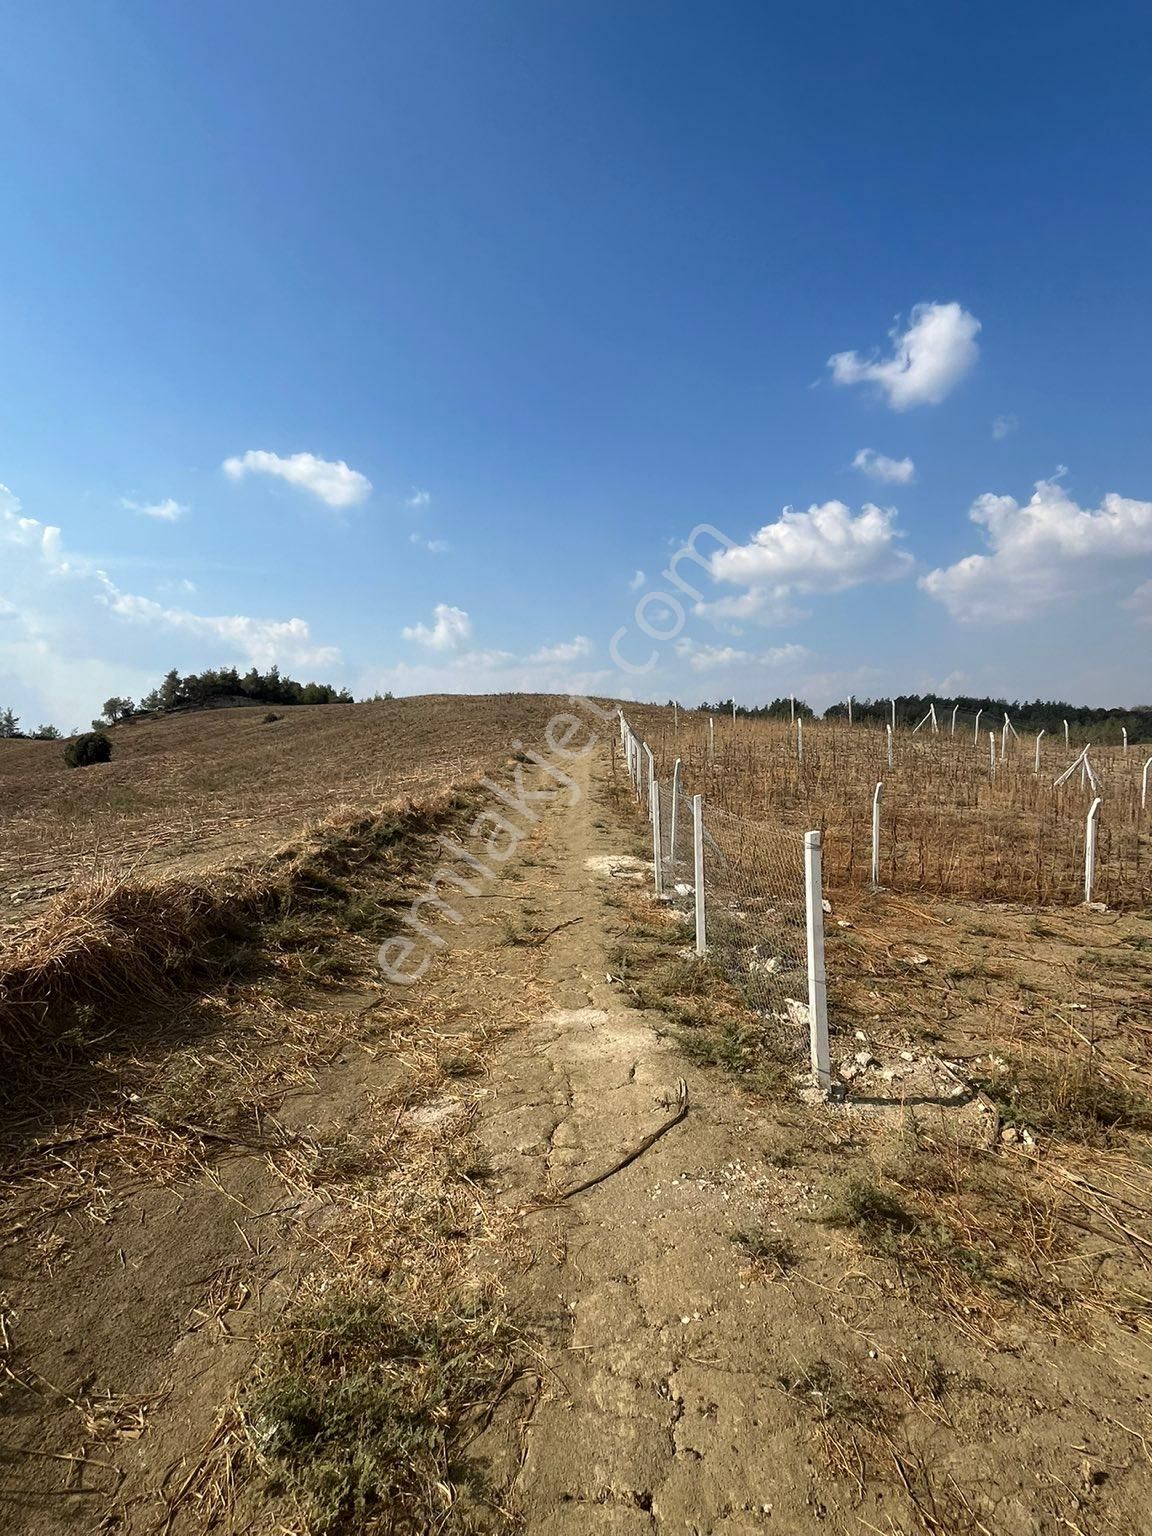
(392, 343)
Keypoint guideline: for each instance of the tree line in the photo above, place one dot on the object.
(194, 691)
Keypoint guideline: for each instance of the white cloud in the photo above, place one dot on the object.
(637, 581)
(262, 641)
(167, 511)
(30, 534)
(711, 658)
(418, 498)
(433, 546)
(8, 610)
(332, 481)
(825, 549)
(1140, 603)
(878, 466)
(451, 630)
(928, 359)
(568, 650)
(1048, 550)
(1003, 427)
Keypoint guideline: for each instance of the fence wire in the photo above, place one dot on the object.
(757, 924)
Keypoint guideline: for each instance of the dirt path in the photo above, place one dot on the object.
(683, 1384)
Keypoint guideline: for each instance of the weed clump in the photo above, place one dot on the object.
(84, 751)
(365, 1405)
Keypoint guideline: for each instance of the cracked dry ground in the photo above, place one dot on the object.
(674, 1386)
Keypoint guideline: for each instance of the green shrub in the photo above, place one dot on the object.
(86, 750)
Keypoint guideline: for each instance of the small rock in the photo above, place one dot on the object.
(862, 1037)
(844, 922)
(797, 1012)
(907, 1055)
(917, 959)
(1010, 1134)
(865, 1059)
(827, 905)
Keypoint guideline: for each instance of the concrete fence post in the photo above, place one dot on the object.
(657, 850)
(992, 751)
(1065, 733)
(651, 773)
(711, 739)
(799, 741)
(672, 830)
(1144, 785)
(955, 707)
(698, 874)
(889, 732)
(817, 978)
(979, 712)
(1036, 765)
(1090, 849)
(877, 796)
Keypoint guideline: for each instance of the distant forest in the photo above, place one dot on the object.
(1028, 716)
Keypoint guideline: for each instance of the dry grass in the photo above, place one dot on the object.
(110, 949)
(949, 825)
(190, 793)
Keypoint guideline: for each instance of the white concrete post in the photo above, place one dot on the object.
(1065, 733)
(1090, 849)
(893, 714)
(935, 722)
(992, 751)
(800, 741)
(675, 817)
(955, 707)
(1144, 785)
(792, 707)
(1004, 742)
(733, 711)
(979, 712)
(1124, 733)
(849, 709)
(889, 733)
(651, 773)
(817, 979)
(877, 796)
(711, 739)
(698, 873)
(657, 853)
(1036, 766)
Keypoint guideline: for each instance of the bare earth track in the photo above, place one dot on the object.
(674, 1378)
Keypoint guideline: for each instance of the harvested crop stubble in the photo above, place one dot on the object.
(112, 946)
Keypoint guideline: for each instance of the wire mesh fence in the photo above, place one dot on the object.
(749, 888)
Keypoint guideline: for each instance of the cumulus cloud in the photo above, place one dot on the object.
(637, 581)
(1140, 603)
(167, 511)
(928, 359)
(43, 538)
(1003, 427)
(712, 658)
(451, 629)
(418, 498)
(568, 650)
(878, 466)
(261, 641)
(1039, 553)
(826, 549)
(331, 480)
